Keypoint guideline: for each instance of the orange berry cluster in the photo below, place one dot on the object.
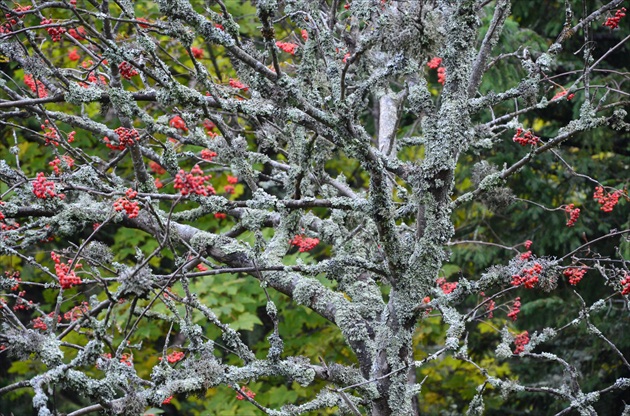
(304, 243)
(193, 182)
(126, 138)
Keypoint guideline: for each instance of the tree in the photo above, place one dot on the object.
(318, 206)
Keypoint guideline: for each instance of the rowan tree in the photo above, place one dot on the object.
(305, 207)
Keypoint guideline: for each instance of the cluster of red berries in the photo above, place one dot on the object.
(78, 33)
(38, 323)
(178, 123)
(209, 126)
(441, 74)
(36, 86)
(515, 310)
(67, 277)
(304, 35)
(73, 55)
(447, 287)
(208, 155)
(9, 227)
(563, 94)
(613, 22)
(174, 357)
(13, 275)
(525, 137)
(520, 341)
(528, 254)
(57, 163)
(127, 71)
(304, 243)
(44, 189)
(529, 276)
(490, 306)
(50, 134)
(157, 168)
(71, 136)
(625, 283)
(93, 79)
(193, 182)
(574, 275)
(436, 63)
(167, 400)
(607, 201)
(574, 214)
(143, 22)
(55, 32)
(197, 52)
(247, 392)
(220, 216)
(12, 19)
(126, 359)
(287, 47)
(21, 304)
(126, 138)
(234, 83)
(76, 312)
(130, 207)
(91, 76)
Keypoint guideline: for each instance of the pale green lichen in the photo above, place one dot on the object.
(77, 94)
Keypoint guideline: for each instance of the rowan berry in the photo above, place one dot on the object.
(608, 200)
(234, 83)
(126, 138)
(520, 341)
(525, 138)
(197, 52)
(36, 86)
(247, 392)
(574, 275)
(44, 189)
(515, 310)
(435, 63)
(447, 287)
(193, 182)
(287, 47)
(73, 55)
(613, 22)
(625, 283)
(574, 214)
(54, 32)
(304, 243)
(127, 71)
(178, 123)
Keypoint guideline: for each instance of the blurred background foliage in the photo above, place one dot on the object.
(450, 384)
